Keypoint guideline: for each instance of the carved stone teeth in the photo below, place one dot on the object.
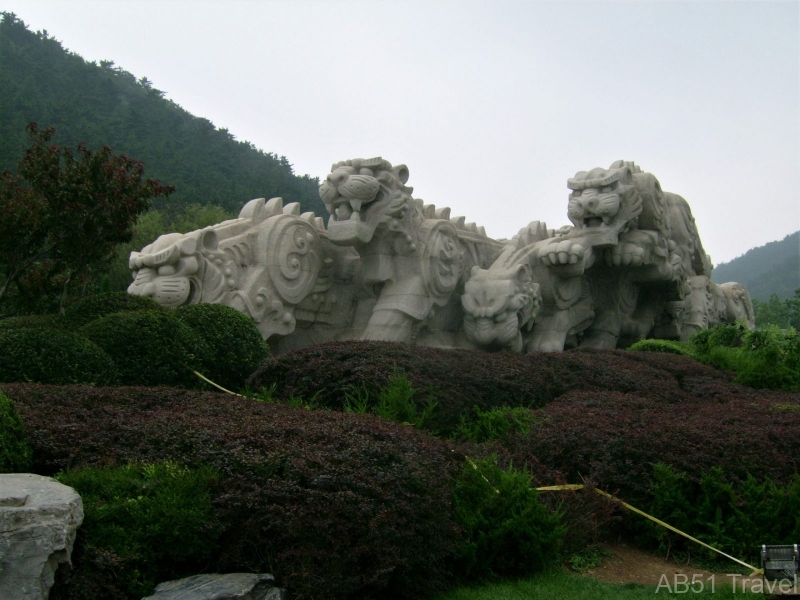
(458, 222)
(319, 223)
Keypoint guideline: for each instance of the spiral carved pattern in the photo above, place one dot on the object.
(292, 251)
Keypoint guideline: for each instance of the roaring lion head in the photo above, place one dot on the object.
(604, 200)
(361, 194)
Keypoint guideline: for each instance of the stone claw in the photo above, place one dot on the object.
(627, 254)
(564, 252)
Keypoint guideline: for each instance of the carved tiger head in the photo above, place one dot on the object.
(179, 269)
(498, 303)
(604, 200)
(361, 194)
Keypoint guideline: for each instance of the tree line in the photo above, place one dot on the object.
(104, 105)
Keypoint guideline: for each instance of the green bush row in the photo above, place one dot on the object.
(123, 339)
(764, 358)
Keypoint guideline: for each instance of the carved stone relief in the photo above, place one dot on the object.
(389, 267)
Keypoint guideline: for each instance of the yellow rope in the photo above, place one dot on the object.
(219, 387)
(578, 486)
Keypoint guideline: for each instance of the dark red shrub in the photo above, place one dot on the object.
(459, 380)
(615, 438)
(336, 505)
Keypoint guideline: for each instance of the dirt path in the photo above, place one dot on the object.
(629, 564)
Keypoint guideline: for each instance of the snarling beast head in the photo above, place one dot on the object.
(361, 194)
(604, 200)
(498, 304)
(179, 269)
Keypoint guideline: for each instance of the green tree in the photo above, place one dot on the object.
(63, 214)
(783, 313)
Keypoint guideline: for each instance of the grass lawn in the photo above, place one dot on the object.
(562, 585)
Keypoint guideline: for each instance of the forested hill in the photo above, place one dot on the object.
(770, 269)
(104, 105)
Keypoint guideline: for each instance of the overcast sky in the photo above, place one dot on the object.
(492, 105)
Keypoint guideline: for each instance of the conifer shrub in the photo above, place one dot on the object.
(150, 347)
(336, 505)
(508, 531)
(496, 424)
(90, 308)
(735, 516)
(395, 402)
(238, 348)
(156, 519)
(15, 454)
(53, 356)
(670, 346)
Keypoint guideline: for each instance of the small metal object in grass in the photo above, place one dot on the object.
(780, 562)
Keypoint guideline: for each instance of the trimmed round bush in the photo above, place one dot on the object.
(15, 455)
(88, 309)
(337, 506)
(53, 356)
(660, 346)
(238, 348)
(33, 322)
(150, 348)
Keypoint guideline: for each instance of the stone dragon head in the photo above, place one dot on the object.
(362, 194)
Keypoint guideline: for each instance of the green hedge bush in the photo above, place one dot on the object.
(766, 358)
(150, 348)
(88, 309)
(33, 322)
(15, 455)
(156, 519)
(237, 346)
(53, 356)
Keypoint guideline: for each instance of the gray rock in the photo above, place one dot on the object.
(38, 521)
(232, 586)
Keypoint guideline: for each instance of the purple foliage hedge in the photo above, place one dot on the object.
(605, 414)
(335, 505)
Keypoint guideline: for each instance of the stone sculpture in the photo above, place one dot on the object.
(39, 518)
(388, 267)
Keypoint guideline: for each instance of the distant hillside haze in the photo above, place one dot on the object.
(104, 105)
(770, 269)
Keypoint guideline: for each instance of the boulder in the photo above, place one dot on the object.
(38, 521)
(232, 586)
